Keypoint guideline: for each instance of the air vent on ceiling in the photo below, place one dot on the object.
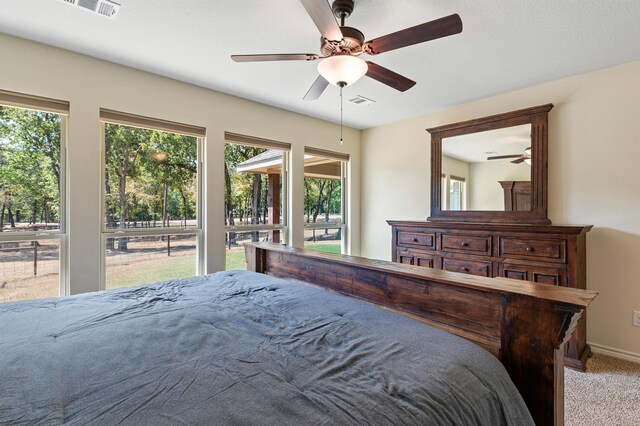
(361, 100)
(106, 8)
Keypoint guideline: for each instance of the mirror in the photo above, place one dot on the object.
(475, 167)
(491, 169)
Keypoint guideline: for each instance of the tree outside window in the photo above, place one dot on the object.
(31, 213)
(151, 190)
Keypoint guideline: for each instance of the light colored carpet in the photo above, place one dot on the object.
(608, 393)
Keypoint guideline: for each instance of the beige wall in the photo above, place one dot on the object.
(455, 167)
(594, 176)
(486, 192)
(89, 84)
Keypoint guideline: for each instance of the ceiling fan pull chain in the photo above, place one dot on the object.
(341, 142)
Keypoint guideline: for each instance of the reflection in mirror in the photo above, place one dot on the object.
(488, 170)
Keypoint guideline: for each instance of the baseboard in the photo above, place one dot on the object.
(616, 353)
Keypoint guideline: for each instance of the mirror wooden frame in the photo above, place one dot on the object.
(538, 118)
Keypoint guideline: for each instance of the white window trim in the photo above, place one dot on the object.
(261, 227)
(323, 225)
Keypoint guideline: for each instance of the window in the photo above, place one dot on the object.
(255, 172)
(32, 214)
(151, 200)
(456, 199)
(324, 200)
(453, 195)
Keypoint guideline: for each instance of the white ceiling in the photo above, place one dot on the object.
(505, 45)
(476, 147)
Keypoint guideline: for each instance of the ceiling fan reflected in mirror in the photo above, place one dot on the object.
(341, 47)
(519, 158)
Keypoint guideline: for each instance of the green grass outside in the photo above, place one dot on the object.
(169, 268)
(235, 258)
(181, 267)
(327, 248)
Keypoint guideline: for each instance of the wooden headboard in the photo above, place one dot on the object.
(524, 324)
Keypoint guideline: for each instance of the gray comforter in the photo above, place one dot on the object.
(240, 348)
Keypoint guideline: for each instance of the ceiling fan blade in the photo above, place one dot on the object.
(501, 157)
(322, 16)
(519, 160)
(316, 89)
(388, 77)
(275, 57)
(432, 30)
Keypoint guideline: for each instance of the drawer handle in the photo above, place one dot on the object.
(415, 240)
(465, 269)
(464, 244)
(529, 249)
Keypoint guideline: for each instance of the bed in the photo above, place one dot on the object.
(249, 348)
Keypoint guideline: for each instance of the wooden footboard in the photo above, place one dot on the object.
(524, 324)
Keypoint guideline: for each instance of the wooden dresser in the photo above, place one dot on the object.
(548, 254)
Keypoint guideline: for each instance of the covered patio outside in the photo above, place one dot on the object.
(323, 203)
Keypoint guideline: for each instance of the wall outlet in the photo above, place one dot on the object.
(636, 318)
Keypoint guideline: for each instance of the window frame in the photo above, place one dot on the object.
(106, 233)
(284, 201)
(344, 168)
(285, 148)
(463, 191)
(60, 108)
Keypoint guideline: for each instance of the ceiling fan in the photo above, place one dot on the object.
(341, 47)
(519, 158)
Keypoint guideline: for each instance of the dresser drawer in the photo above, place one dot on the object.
(475, 244)
(538, 274)
(417, 258)
(474, 267)
(416, 239)
(533, 249)
(549, 276)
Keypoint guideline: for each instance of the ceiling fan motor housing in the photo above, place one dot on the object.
(352, 42)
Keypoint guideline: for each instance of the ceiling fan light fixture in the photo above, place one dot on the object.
(342, 70)
(527, 152)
